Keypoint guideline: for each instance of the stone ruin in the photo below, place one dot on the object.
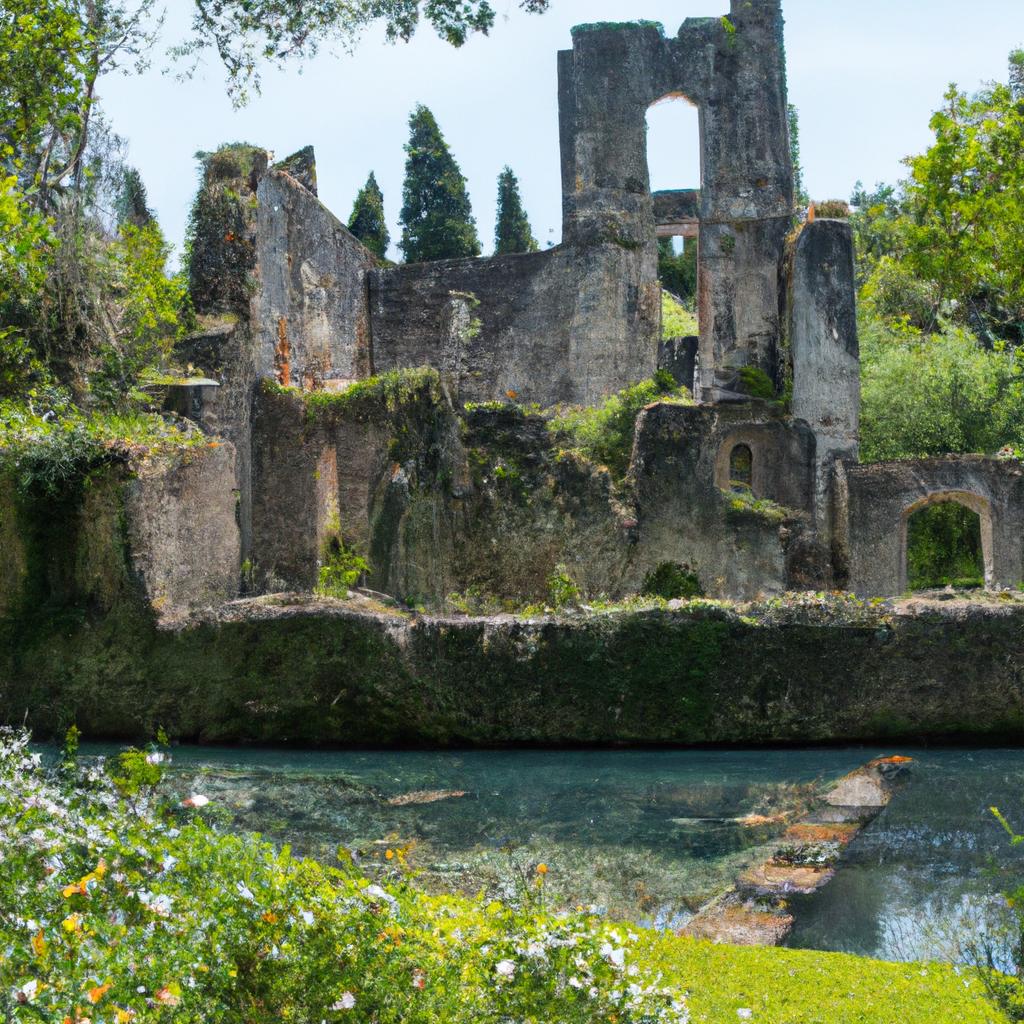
(287, 295)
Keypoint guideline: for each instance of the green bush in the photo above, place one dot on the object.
(671, 580)
(604, 433)
(676, 320)
(340, 569)
(755, 382)
(562, 588)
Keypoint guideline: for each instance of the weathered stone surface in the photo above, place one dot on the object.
(824, 349)
(182, 535)
(310, 307)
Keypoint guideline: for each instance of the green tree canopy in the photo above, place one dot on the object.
(678, 271)
(131, 204)
(437, 219)
(512, 232)
(367, 222)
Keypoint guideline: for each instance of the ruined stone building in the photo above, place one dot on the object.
(289, 297)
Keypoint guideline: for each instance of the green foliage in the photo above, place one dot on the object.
(676, 320)
(837, 209)
(672, 581)
(512, 232)
(150, 313)
(800, 196)
(563, 590)
(437, 219)
(116, 904)
(384, 393)
(678, 272)
(341, 569)
(944, 548)
(368, 222)
(893, 293)
(604, 433)
(930, 394)
(48, 447)
(753, 381)
(131, 204)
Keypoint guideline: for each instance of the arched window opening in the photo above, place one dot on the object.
(741, 468)
(945, 547)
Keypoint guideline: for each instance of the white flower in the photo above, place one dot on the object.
(161, 905)
(196, 800)
(379, 894)
(155, 757)
(575, 982)
(346, 1002)
(616, 957)
(505, 969)
(536, 949)
(244, 891)
(744, 1014)
(307, 918)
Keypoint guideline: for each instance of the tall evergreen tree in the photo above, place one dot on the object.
(437, 220)
(131, 204)
(512, 232)
(367, 222)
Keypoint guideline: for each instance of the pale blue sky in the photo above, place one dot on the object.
(865, 74)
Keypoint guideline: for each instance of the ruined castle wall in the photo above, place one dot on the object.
(311, 304)
(879, 498)
(568, 325)
(824, 348)
(686, 513)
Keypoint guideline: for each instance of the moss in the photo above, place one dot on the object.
(616, 26)
(741, 503)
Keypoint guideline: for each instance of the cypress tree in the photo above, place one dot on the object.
(367, 222)
(437, 220)
(130, 204)
(512, 232)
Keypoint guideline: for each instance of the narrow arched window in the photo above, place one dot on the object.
(741, 468)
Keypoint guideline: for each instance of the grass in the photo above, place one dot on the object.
(783, 986)
(676, 320)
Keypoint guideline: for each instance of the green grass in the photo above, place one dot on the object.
(782, 986)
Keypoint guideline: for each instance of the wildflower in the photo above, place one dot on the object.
(196, 800)
(155, 757)
(542, 869)
(307, 916)
(72, 923)
(389, 855)
(744, 1014)
(346, 1002)
(39, 943)
(95, 994)
(505, 969)
(419, 979)
(167, 997)
(244, 891)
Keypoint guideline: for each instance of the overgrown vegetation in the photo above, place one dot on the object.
(340, 569)
(672, 581)
(676, 320)
(604, 433)
(944, 548)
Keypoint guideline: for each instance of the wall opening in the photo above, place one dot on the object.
(741, 468)
(947, 541)
(674, 167)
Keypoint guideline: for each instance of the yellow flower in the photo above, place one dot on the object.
(390, 854)
(39, 943)
(542, 869)
(72, 923)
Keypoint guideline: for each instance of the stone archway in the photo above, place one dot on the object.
(975, 503)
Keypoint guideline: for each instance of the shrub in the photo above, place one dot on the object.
(116, 906)
(562, 588)
(604, 433)
(755, 382)
(672, 581)
(837, 209)
(341, 569)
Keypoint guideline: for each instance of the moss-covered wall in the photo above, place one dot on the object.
(326, 674)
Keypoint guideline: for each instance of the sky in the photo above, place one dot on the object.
(866, 76)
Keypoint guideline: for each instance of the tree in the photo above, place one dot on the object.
(367, 222)
(512, 232)
(437, 219)
(800, 196)
(130, 203)
(678, 271)
(246, 32)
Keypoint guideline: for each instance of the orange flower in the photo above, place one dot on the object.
(39, 943)
(270, 917)
(97, 993)
(542, 869)
(390, 854)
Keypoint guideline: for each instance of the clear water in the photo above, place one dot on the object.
(646, 835)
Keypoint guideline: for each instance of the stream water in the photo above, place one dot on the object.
(644, 835)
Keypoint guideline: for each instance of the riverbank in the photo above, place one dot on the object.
(294, 669)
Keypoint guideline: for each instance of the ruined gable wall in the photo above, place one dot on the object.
(310, 306)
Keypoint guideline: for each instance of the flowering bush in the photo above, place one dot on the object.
(116, 907)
